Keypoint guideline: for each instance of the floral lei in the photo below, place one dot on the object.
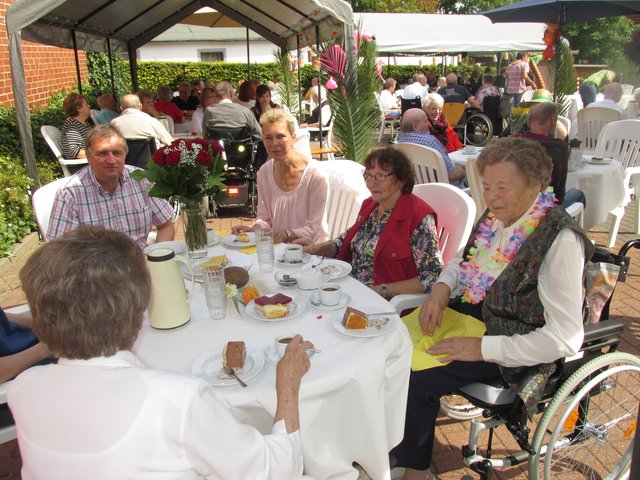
(475, 283)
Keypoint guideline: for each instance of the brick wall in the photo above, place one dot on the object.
(47, 69)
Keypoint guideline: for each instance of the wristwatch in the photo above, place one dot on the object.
(384, 290)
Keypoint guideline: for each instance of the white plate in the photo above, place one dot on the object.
(338, 268)
(296, 307)
(315, 301)
(366, 332)
(464, 152)
(306, 258)
(207, 366)
(214, 241)
(272, 357)
(234, 259)
(230, 241)
(179, 248)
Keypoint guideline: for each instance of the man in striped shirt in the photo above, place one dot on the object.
(103, 193)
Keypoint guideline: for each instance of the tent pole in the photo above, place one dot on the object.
(19, 86)
(248, 59)
(113, 83)
(299, 82)
(75, 53)
(320, 99)
(133, 67)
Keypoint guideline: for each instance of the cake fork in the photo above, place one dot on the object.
(230, 371)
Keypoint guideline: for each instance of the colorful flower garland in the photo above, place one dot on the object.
(476, 283)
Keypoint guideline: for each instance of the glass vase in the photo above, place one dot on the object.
(194, 225)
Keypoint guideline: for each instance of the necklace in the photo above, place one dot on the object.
(474, 282)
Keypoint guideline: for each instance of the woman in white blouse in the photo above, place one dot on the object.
(99, 413)
(521, 275)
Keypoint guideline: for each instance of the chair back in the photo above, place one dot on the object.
(475, 186)
(167, 122)
(53, 137)
(453, 112)
(406, 104)
(239, 147)
(566, 123)
(347, 190)
(590, 123)
(490, 107)
(140, 151)
(429, 165)
(456, 215)
(627, 89)
(620, 140)
(42, 203)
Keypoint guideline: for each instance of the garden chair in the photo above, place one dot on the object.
(53, 137)
(429, 165)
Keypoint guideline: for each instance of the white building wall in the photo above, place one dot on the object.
(234, 51)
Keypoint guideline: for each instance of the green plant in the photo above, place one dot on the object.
(286, 87)
(16, 216)
(353, 103)
(100, 75)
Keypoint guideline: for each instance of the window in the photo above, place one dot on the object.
(211, 55)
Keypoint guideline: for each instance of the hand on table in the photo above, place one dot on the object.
(466, 349)
(431, 311)
(240, 228)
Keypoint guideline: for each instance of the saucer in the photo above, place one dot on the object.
(314, 300)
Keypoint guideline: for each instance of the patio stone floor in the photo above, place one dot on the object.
(450, 434)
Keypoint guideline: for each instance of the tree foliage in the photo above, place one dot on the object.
(602, 40)
(395, 6)
(470, 6)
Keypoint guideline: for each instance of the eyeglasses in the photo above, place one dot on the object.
(378, 177)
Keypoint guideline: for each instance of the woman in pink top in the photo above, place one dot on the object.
(292, 189)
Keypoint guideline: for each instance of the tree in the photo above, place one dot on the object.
(395, 6)
(471, 6)
(600, 41)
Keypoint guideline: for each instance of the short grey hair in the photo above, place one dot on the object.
(130, 100)
(433, 99)
(164, 93)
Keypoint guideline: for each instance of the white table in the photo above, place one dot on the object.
(352, 400)
(459, 157)
(603, 185)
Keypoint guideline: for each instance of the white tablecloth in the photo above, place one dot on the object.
(603, 185)
(352, 400)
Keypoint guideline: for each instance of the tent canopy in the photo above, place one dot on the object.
(129, 24)
(125, 25)
(423, 33)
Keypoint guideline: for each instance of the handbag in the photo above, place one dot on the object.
(14, 338)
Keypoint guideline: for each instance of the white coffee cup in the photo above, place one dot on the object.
(211, 235)
(281, 343)
(469, 149)
(293, 253)
(330, 294)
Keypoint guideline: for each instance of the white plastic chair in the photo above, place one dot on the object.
(621, 141)
(53, 137)
(475, 186)
(347, 190)
(391, 122)
(456, 212)
(429, 165)
(627, 89)
(327, 133)
(590, 123)
(565, 122)
(42, 203)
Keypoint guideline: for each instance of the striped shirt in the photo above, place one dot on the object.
(74, 134)
(130, 209)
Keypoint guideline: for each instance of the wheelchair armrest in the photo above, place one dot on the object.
(601, 330)
(406, 301)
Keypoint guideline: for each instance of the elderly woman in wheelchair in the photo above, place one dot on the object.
(520, 277)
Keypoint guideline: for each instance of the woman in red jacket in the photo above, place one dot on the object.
(393, 246)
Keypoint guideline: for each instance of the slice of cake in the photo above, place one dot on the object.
(243, 237)
(275, 306)
(213, 262)
(234, 355)
(354, 319)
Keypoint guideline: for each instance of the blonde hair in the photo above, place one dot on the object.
(277, 115)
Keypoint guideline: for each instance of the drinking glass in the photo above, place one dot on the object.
(265, 250)
(215, 292)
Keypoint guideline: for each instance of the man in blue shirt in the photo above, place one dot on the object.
(414, 129)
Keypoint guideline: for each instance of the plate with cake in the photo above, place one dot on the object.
(356, 323)
(230, 259)
(241, 240)
(246, 363)
(275, 308)
(331, 268)
(283, 262)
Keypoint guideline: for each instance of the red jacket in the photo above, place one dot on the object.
(392, 259)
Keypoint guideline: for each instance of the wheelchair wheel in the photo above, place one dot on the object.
(459, 408)
(478, 129)
(588, 428)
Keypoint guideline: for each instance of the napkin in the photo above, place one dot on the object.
(453, 324)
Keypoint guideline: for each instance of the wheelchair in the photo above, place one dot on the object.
(241, 153)
(472, 126)
(586, 420)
